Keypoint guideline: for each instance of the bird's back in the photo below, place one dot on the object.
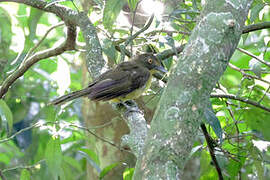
(127, 81)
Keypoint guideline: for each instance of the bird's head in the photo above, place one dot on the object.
(150, 62)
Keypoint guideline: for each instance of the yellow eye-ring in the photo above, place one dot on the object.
(150, 61)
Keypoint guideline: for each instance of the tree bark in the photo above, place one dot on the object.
(180, 111)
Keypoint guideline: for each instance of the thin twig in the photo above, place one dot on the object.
(132, 25)
(19, 132)
(167, 31)
(264, 95)
(131, 38)
(42, 39)
(95, 135)
(246, 74)
(211, 148)
(38, 124)
(24, 167)
(242, 99)
(253, 56)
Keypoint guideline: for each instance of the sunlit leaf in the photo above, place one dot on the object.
(258, 164)
(25, 175)
(107, 169)
(111, 11)
(62, 76)
(255, 11)
(5, 29)
(255, 66)
(53, 156)
(132, 4)
(4, 158)
(91, 157)
(72, 162)
(258, 120)
(109, 50)
(128, 173)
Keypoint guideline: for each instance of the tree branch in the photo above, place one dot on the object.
(69, 44)
(138, 130)
(245, 100)
(253, 56)
(2, 175)
(23, 167)
(246, 74)
(256, 27)
(211, 148)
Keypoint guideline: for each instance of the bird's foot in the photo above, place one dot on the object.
(130, 106)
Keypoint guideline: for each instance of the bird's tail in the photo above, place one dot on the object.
(71, 96)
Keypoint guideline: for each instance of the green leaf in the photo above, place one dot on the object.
(258, 120)
(25, 175)
(258, 164)
(111, 11)
(168, 62)
(109, 50)
(107, 169)
(132, 4)
(4, 158)
(91, 154)
(213, 121)
(5, 29)
(255, 66)
(53, 156)
(128, 173)
(6, 116)
(72, 162)
(255, 11)
(244, 37)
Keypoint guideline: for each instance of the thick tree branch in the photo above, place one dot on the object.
(256, 27)
(69, 44)
(138, 131)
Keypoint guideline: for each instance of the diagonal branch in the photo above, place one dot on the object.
(242, 99)
(254, 56)
(69, 44)
(211, 148)
(246, 74)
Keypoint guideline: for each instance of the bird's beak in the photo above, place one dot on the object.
(161, 69)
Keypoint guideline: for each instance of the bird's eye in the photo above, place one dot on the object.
(150, 61)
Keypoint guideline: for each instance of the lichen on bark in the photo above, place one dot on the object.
(180, 111)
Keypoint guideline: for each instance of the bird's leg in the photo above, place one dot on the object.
(130, 106)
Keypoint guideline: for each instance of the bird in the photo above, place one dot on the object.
(127, 81)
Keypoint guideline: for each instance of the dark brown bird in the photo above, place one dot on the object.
(128, 80)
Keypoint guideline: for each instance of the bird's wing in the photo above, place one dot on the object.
(121, 81)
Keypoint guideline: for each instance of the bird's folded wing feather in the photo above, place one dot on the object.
(111, 85)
